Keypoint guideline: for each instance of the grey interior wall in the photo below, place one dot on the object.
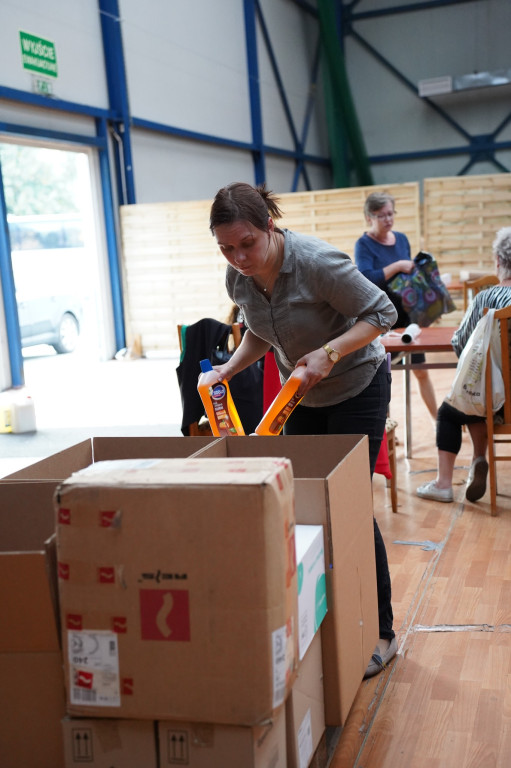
(451, 40)
(187, 68)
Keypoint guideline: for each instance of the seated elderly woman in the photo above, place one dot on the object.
(449, 419)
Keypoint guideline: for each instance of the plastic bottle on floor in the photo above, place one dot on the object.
(283, 405)
(218, 403)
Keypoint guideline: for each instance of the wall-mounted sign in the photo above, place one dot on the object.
(38, 55)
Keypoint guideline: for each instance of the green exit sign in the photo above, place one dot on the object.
(38, 55)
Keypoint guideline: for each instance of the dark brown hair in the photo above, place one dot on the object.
(242, 202)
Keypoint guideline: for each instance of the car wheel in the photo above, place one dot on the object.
(69, 331)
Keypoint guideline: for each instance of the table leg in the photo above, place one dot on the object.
(408, 408)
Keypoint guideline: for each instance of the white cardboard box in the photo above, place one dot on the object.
(312, 602)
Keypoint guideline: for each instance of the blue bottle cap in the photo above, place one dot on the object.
(205, 366)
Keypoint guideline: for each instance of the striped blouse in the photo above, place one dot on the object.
(496, 297)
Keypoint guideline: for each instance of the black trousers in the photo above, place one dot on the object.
(365, 414)
(449, 422)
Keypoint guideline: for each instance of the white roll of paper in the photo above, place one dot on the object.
(410, 333)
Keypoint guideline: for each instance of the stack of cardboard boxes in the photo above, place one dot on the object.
(190, 631)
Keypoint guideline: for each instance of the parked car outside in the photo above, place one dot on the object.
(54, 320)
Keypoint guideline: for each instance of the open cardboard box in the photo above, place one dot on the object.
(332, 489)
(30, 659)
(30, 656)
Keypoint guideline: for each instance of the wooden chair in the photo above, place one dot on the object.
(390, 429)
(202, 428)
(472, 287)
(499, 432)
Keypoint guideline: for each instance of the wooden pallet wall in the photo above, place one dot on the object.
(461, 217)
(174, 273)
(337, 215)
(172, 269)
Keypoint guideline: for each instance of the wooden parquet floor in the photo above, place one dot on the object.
(445, 701)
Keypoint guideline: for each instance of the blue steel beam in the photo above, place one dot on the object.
(249, 7)
(45, 133)
(60, 105)
(118, 90)
(9, 296)
(426, 5)
(280, 86)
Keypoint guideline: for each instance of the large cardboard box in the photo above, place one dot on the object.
(60, 465)
(332, 489)
(221, 746)
(104, 743)
(31, 674)
(305, 708)
(178, 589)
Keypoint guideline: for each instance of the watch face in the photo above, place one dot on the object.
(334, 356)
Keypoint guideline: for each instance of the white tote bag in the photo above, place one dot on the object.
(468, 391)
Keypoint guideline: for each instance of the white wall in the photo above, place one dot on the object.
(74, 27)
(187, 67)
(455, 40)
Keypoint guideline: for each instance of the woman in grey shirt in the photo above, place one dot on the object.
(309, 302)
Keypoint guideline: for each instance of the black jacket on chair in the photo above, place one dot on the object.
(208, 338)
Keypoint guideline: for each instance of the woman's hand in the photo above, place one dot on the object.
(318, 365)
(406, 265)
(403, 265)
(225, 371)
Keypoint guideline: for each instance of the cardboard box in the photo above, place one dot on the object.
(178, 589)
(61, 465)
(305, 708)
(33, 704)
(310, 563)
(31, 674)
(103, 743)
(332, 489)
(219, 746)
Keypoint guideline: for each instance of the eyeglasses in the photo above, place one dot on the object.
(382, 216)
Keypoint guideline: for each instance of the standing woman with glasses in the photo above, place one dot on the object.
(380, 254)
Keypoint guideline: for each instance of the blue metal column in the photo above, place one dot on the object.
(254, 92)
(9, 296)
(111, 238)
(118, 91)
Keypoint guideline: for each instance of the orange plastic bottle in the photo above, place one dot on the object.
(218, 403)
(283, 405)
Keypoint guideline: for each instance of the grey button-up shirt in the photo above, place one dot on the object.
(319, 294)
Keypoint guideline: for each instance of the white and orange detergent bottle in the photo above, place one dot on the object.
(218, 403)
(283, 405)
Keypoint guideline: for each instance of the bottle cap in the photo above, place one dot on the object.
(205, 366)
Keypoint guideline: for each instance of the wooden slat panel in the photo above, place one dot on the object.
(174, 273)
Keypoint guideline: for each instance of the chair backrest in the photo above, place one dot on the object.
(472, 287)
(236, 336)
(503, 317)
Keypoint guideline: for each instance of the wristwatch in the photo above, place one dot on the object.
(332, 353)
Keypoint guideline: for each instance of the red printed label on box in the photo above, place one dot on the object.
(83, 679)
(64, 516)
(119, 624)
(127, 686)
(63, 571)
(74, 621)
(106, 575)
(106, 517)
(165, 614)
